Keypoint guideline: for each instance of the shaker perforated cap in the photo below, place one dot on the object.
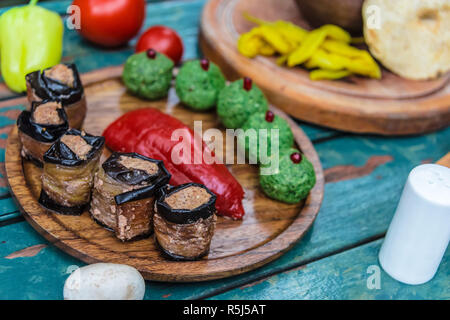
(420, 230)
(432, 182)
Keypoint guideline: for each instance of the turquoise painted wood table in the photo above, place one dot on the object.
(336, 260)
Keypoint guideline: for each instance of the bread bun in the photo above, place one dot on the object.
(409, 37)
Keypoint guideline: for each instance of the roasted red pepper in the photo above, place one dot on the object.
(149, 131)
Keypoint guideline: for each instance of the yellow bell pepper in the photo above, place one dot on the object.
(30, 40)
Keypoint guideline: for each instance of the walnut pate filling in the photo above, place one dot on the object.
(47, 113)
(61, 73)
(188, 198)
(139, 164)
(77, 144)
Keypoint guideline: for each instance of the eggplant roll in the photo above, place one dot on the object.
(40, 128)
(62, 83)
(68, 175)
(124, 193)
(184, 221)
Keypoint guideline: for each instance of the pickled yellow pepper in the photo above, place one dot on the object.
(311, 43)
(322, 59)
(250, 43)
(326, 49)
(320, 74)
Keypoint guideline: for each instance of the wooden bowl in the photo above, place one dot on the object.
(344, 13)
(390, 106)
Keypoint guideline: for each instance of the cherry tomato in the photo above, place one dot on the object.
(162, 39)
(110, 23)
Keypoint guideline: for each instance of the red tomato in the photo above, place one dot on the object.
(162, 39)
(110, 23)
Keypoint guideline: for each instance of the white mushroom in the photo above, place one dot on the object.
(105, 281)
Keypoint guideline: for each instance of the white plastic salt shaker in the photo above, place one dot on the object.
(420, 230)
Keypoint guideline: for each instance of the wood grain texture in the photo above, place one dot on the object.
(38, 277)
(391, 106)
(8, 117)
(267, 231)
(353, 212)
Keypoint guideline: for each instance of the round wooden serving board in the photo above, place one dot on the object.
(390, 106)
(268, 229)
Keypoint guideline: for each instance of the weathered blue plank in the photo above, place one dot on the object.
(30, 268)
(10, 217)
(315, 132)
(344, 276)
(7, 206)
(181, 16)
(7, 118)
(40, 276)
(354, 211)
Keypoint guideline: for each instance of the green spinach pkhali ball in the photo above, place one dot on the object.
(262, 124)
(238, 101)
(198, 84)
(148, 74)
(294, 179)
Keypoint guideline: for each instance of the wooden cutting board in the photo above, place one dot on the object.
(390, 106)
(268, 229)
